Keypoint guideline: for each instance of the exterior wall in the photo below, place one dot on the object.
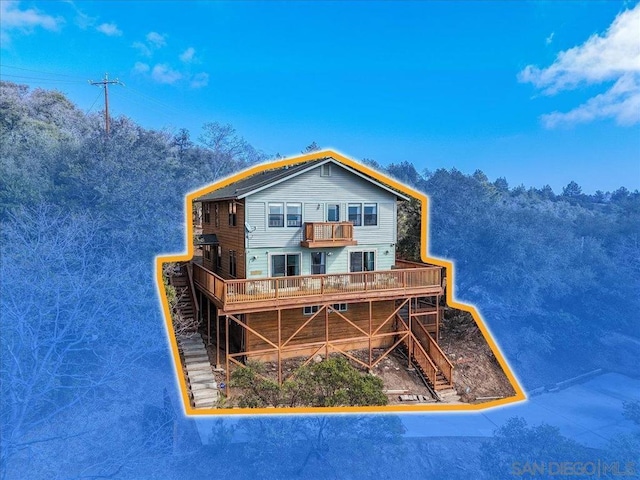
(266, 323)
(315, 192)
(258, 260)
(230, 238)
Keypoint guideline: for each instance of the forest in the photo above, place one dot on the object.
(555, 275)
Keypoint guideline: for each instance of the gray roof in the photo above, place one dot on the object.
(248, 185)
(243, 187)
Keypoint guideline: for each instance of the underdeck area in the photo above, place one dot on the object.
(363, 316)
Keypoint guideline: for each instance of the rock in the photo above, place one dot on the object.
(317, 359)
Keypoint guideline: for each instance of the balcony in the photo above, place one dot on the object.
(328, 234)
(268, 293)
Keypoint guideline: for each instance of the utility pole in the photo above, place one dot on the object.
(105, 82)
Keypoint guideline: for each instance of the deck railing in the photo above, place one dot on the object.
(328, 231)
(419, 353)
(277, 288)
(433, 349)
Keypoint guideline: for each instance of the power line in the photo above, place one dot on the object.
(94, 102)
(41, 71)
(105, 82)
(47, 80)
(154, 100)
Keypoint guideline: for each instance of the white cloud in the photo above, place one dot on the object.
(549, 39)
(621, 103)
(12, 17)
(163, 73)
(199, 80)
(109, 29)
(140, 67)
(156, 40)
(613, 56)
(142, 48)
(188, 55)
(153, 42)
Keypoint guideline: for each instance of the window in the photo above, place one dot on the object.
(216, 214)
(276, 215)
(206, 252)
(287, 265)
(355, 214)
(362, 261)
(333, 212)
(339, 307)
(325, 170)
(233, 219)
(371, 214)
(294, 214)
(318, 263)
(233, 268)
(219, 258)
(311, 309)
(207, 213)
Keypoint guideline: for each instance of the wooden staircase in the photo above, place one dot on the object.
(423, 350)
(187, 305)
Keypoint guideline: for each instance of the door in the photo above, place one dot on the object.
(285, 265)
(318, 263)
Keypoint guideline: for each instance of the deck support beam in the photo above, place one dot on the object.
(209, 323)
(226, 354)
(365, 333)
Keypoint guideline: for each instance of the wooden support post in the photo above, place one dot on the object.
(217, 339)
(326, 332)
(226, 354)
(410, 337)
(438, 318)
(279, 347)
(370, 333)
(208, 321)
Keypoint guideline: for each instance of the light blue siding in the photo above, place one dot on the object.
(315, 192)
(337, 260)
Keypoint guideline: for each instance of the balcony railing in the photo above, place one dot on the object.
(328, 234)
(238, 294)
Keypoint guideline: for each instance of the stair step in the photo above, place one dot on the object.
(196, 359)
(442, 387)
(201, 377)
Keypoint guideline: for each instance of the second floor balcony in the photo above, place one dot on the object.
(244, 295)
(328, 234)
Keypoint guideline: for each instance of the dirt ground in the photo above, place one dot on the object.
(477, 374)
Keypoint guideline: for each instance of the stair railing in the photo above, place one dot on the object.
(192, 292)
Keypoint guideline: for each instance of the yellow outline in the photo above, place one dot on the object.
(437, 407)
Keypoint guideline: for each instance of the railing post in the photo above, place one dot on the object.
(322, 285)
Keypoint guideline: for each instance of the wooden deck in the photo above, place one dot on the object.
(269, 293)
(328, 234)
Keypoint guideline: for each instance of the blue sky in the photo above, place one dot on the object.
(541, 93)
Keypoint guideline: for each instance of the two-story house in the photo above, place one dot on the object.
(300, 261)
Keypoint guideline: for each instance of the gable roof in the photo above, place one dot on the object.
(269, 178)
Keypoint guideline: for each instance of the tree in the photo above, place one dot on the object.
(501, 184)
(515, 446)
(330, 383)
(572, 190)
(52, 360)
(312, 147)
(228, 150)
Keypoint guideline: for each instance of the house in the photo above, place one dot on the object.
(300, 261)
